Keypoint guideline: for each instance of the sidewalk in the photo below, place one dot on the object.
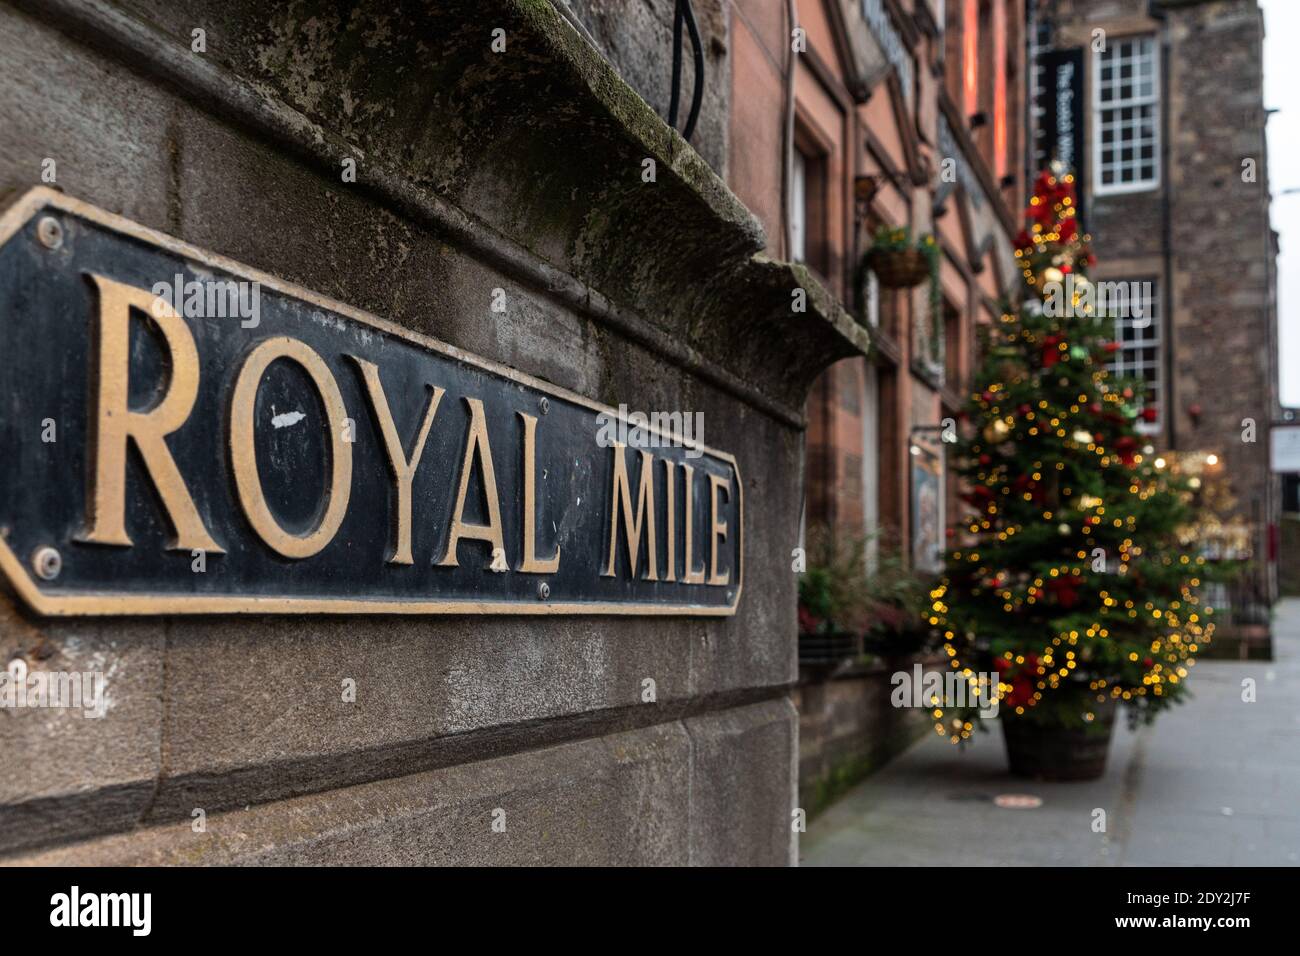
(1214, 782)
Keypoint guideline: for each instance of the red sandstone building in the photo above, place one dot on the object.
(832, 118)
(920, 103)
(892, 113)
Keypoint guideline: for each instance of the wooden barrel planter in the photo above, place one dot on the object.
(1054, 753)
(898, 268)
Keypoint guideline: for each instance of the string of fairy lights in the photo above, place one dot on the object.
(1058, 453)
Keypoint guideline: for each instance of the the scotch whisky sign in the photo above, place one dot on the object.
(181, 434)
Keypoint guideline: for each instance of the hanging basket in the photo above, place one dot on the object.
(898, 268)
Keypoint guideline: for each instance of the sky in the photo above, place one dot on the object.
(1282, 93)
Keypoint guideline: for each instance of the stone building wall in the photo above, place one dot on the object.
(636, 36)
(848, 728)
(1218, 299)
(1224, 249)
(476, 171)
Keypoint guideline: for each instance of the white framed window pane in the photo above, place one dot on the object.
(1125, 115)
(873, 300)
(798, 208)
(1135, 304)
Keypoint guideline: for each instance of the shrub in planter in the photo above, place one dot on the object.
(832, 599)
(897, 608)
(832, 596)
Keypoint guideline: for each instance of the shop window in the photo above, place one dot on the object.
(1125, 111)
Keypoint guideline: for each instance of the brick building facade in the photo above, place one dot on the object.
(918, 104)
(903, 98)
(1175, 191)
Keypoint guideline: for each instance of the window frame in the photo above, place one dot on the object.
(1151, 336)
(813, 154)
(798, 251)
(1100, 188)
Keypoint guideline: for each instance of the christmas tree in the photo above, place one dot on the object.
(1065, 583)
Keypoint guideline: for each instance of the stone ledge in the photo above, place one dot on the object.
(544, 142)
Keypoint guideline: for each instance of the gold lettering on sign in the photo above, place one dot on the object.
(532, 564)
(243, 453)
(717, 529)
(690, 575)
(670, 490)
(477, 448)
(402, 468)
(645, 514)
(114, 423)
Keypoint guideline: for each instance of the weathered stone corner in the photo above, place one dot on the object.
(543, 145)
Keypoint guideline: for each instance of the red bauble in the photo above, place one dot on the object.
(985, 460)
(1148, 414)
(1022, 692)
(1064, 591)
(1112, 347)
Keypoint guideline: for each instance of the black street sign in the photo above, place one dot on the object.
(181, 434)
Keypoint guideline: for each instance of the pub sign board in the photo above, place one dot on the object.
(182, 434)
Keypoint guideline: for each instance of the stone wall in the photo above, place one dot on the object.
(1224, 250)
(476, 170)
(636, 36)
(847, 730)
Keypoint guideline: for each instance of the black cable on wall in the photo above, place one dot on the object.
(684, 13)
